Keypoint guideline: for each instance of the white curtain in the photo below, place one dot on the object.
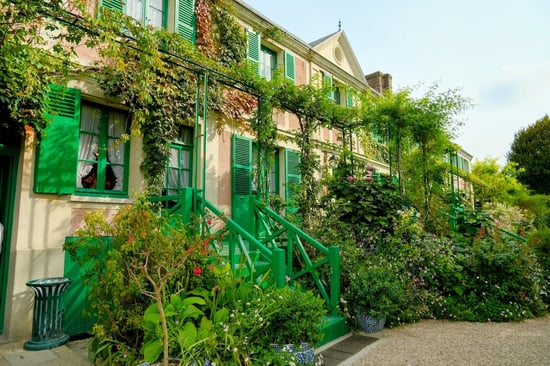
(89, 126)
(116, 148)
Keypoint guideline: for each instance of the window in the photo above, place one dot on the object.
(147, 12)
(327, 84)
(102, 165)
(155, 13)
(273, 173)
(179, 164)
(292, 177)
(268, 63)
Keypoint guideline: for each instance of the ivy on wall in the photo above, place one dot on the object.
(158, 76)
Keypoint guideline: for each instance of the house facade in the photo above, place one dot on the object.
(88, 160)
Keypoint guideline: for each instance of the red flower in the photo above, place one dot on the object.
(131, 239)
(209, 222)
(197, 271)
(203, 252)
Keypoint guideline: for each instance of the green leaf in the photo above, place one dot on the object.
(152, 350)
(189, 334)
(152, 314)
(221, 315)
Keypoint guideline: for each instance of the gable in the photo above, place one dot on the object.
(337, 49)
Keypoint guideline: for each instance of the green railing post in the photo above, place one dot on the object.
(252, 222)
(334, 262)
(278, 267)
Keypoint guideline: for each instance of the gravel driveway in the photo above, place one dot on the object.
(437, 342)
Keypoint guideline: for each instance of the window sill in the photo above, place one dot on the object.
(93, 199)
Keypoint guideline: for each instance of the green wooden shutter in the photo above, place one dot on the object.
(112, 4)
(185, 19)
(253, 52)
(290, 66)
(241, 186)
(327, 83)
(349, 98)
(292, 173)
(57, 153)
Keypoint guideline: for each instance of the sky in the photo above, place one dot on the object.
(496, 52)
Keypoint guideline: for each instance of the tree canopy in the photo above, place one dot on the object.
(492, 183)
(531, 151)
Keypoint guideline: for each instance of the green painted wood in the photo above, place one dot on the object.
(9, 163)
(112, 4)
(76, 299)
(292, 177)
(290, 66)
(327, 83)
(253, 49)
(57, 152)
(241, 187)
(185, 19)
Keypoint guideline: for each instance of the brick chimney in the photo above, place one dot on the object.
(379, 81)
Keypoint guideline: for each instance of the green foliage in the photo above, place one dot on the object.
(495, 184)
(487, 279)
(538, 206)
(365, 207)
(138, 256)
(540, 242)
(531, 151)
(376, 289)
(27, 64)
(297, 316)
(233, 323)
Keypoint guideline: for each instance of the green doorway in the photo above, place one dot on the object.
(9, 157)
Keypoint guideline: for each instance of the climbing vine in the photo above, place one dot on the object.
(160, 85)
(27, 67)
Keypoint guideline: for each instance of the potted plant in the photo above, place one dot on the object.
(295, 322)
(374, 293)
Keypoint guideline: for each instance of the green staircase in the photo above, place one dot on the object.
(273, 245)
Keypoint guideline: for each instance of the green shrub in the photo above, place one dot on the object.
(138, 257)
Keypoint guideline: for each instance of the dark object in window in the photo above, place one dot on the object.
(90, 179)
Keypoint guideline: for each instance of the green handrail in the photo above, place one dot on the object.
(281, 232)
(191, 202)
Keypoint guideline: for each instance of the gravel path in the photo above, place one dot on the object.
(436, 342)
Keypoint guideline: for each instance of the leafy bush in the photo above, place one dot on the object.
(296, 316)
(375, 289)
(366, 206)
(137, 256)
(488, 279)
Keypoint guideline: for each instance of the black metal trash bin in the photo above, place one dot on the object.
(47, 321)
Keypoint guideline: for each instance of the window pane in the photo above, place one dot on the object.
(267, 64)
(178, 169)
(154, 13)
(134, 8)
(101, 158)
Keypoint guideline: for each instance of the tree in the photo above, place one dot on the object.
(531, 151)
(493, 183)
